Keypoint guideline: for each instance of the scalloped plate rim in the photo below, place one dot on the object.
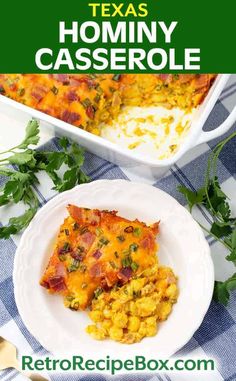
(115, 183)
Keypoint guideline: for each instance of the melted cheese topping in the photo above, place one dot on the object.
(98, 103)
(95, 250)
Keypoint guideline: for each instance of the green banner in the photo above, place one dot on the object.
(119, 36)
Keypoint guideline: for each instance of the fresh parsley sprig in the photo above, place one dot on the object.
(19, 166)
(223, 225)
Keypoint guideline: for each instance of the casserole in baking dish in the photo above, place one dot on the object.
(87, 100)
(184, 92)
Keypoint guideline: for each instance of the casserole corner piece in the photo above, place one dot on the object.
(94, 251)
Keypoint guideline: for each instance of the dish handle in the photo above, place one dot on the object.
(222, 129)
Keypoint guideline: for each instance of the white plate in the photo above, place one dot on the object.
(182, 246)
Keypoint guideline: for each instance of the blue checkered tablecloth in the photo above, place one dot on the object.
(216, 336)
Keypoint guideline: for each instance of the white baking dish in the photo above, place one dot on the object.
(125, 157)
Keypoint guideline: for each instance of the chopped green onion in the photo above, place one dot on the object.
(104, 241)
(97, 98)
(98, 292)
(134, 266)
(21, 92)
(74, 266)
(98, 232)
(121, 238)
(137, 232)
(65, 248)
(133, 247)
(62, 257)
(137, 294)
(113, 265)
(82, 267)
(86, 102)
(54, 89)
(83, 230)
(75, 226)
(116, 77)
(127, 261)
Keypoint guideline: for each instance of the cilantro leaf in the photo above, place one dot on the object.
(20, 158)
(217, 200)
(116, 77)
(193, 198)
(233, 239)
(55, 161)
(4, 171)
(31, 135)
(16, 224)
(4, 199)
(64, 142)
(232, 256)
(219, 230)
(63, 168)
(223, 225)
(221, 294)
(55, 178)
(16, 186)
(77, 153)
(221, 291)
(71, 177)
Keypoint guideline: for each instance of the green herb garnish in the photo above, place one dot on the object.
(104, 241)
(73, 266)
(97, 98)
(176, 76)
(82, 267)
(21, 92)
(223, 225)
(134, 266)
(98, 232)
(116, 254)
(54, 89)
(75, 226)
(62, 257)
(113, 265)
(127, 261)
(137, 232)
(21, 181)
(98, 292)
(83, 229)
(133, 247)
(65, 248)
(86, 102)
(116, 77)
(121, 238)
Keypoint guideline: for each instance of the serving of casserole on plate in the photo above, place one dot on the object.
(109, 264)
(106, 263)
